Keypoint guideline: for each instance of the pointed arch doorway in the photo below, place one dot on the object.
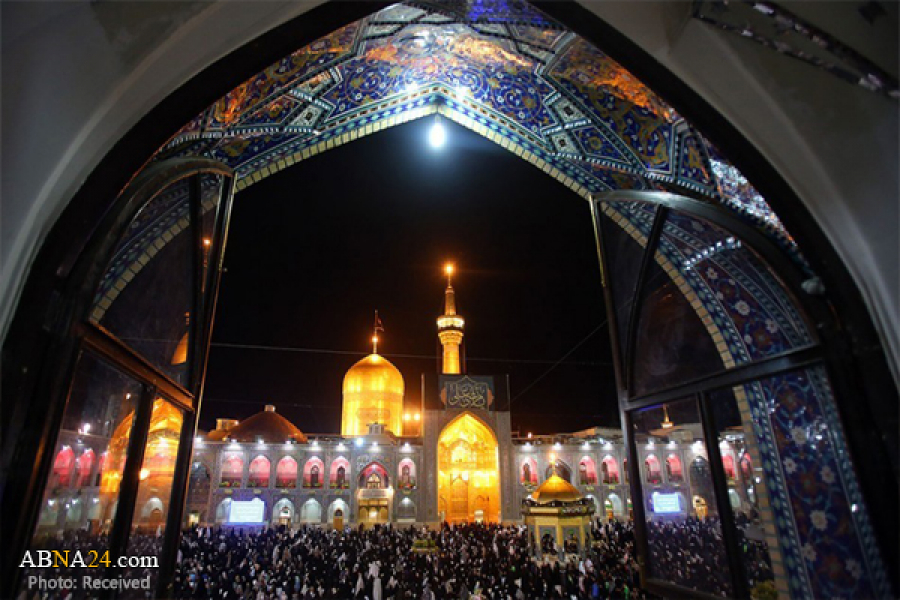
(468, 471)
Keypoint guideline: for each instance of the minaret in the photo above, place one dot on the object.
(450, 329)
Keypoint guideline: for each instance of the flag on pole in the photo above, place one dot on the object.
(378, 324)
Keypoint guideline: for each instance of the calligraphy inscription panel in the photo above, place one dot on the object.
(467, 392)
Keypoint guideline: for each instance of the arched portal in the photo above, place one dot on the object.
(468, 469)
(615, 505)
(311, 512)
(406, 511)
(199, 486)
(338, 512)
(223, 511)
(283, 512)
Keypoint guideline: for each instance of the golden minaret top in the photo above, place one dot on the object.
(450, 328)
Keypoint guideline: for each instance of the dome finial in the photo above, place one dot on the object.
(378, 326)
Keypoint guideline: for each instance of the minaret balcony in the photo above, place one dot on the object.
(450, 322)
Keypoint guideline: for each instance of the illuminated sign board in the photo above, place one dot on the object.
(666, 504)
(247, 511)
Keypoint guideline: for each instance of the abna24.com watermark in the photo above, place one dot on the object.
(69, 559)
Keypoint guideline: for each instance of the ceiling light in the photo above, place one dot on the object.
(437, 135)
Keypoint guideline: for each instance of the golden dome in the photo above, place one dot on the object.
(556, 488)
(374, 372)
(373, 393)
(267, 426)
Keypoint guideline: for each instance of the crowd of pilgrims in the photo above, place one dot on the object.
(691, 553)
(474, 562)
(470, 562)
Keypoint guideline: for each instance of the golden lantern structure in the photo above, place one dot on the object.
(558, 511)
(450, 328)
(372, 393)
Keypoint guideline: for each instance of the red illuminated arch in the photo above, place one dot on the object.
(313, 473)
(728, 465)
(286, 473)
(260, 470)
(609, 470)
(528, 472)
(374, 476)
(654, 475)
(232, 471)
(339, 476)
(587, 471)
(62, 466)
(83, 465)
(674, 469)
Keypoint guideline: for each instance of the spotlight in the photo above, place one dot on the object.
(436, 135)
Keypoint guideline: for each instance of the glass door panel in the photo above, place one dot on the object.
(153, 502)
(672, 344)
(82, 491)
(145, 297)
(759, 317)
(625, 227)
(744, 480)
(211, 189)
(684, 533)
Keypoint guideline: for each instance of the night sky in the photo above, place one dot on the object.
(314, 250)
